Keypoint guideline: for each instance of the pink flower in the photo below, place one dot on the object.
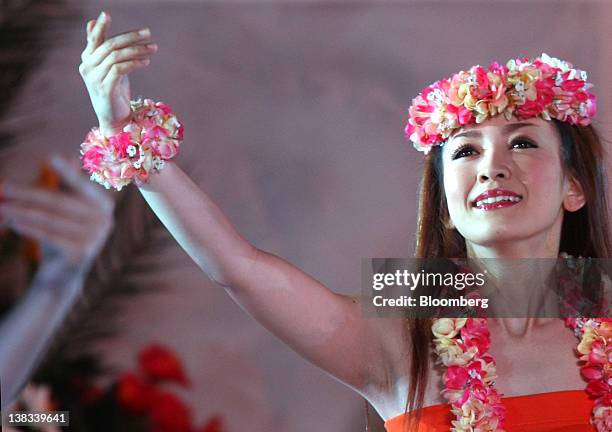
(155, 133)
(463, 115)
(598, 354)
(456, 377)
(499, 70)
(163, 107)
(591, 373)
(572, 85)
(597, 388)
(602, 418)
(591, 105)
(166, 149)
(120, 143)
(522, 88)
(92, 159)
(530, 108)
(476, 333)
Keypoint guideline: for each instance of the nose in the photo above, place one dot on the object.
(493, 167)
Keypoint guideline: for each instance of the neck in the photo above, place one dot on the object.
(518, 276)
(542, 246)
(519, 327)
(519, 287)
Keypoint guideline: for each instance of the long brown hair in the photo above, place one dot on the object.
(585, 232)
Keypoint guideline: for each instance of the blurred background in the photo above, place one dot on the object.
(294, 115)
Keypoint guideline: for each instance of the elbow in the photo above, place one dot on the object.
(237, 270)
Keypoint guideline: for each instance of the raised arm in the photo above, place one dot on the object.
(326, 328)
(72, 226)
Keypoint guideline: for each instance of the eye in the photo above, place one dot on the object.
(523, 142)
(462, 151)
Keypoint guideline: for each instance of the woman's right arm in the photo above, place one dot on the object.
(326, 328)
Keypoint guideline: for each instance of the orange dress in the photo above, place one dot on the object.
(562, 411)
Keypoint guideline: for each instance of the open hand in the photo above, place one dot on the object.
(74, 223)
(105, 66)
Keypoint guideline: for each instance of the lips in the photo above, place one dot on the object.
(496, 198)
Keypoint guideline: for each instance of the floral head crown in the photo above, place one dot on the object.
(546, 87)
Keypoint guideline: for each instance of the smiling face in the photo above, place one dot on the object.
(505, 187)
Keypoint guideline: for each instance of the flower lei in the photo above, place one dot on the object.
(546, 87)
(462, 345)
(595, 350)
(153, 136)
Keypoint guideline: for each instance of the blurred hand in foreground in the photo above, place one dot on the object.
(71, 224)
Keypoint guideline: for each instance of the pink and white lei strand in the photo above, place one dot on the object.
(462, 345)
(546, 87)
(595, 351)
(153, 136)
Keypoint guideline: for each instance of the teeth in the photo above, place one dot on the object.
(492, 200)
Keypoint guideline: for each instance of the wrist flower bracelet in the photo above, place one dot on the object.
(152, 136)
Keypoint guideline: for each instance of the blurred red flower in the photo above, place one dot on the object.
(214, 424)
(133, 393)
(169, 414)
(161, 364)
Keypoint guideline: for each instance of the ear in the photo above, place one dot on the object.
(574, 197)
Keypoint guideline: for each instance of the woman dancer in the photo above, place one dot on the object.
(519, 134)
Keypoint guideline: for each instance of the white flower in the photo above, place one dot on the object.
(137, 103)
(555, 62)
(158, 164)
(474, 374)
(131, 150)
(512, 66)
(436, 95)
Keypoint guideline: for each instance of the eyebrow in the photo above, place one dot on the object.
(506, 130)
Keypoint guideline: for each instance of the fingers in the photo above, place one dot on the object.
(98, 31)
(118, 70)
(73, 177)
(129, 51)
(40, 223)
(137, 39)
(133, 53)
(43, 235)
(55, 203)
(70, 222)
